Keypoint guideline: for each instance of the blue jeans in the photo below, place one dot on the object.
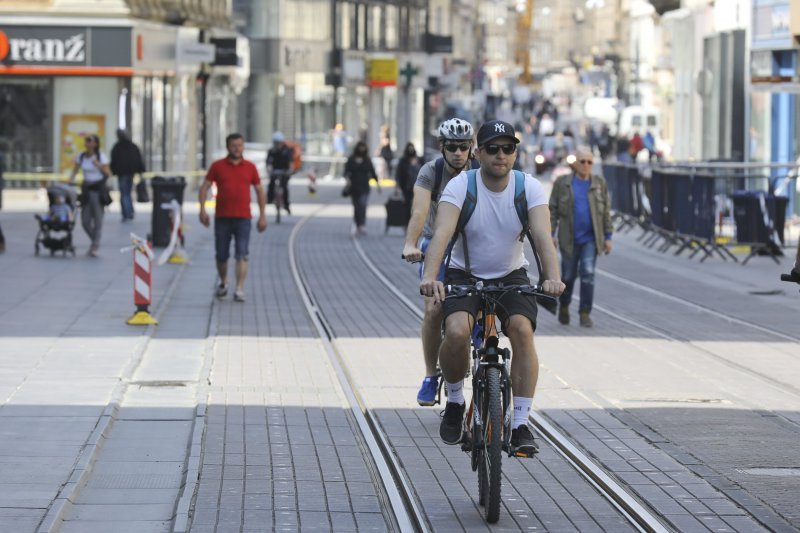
(582, 263)
(237, 229)
(125, 186)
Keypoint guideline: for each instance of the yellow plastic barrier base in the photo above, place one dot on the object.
(142, 318)
(178, 259)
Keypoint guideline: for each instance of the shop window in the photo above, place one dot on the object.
(26, 125)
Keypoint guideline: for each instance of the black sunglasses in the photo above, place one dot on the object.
(507, 149)
(453, 148)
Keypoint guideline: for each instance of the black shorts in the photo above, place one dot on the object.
(512, 303)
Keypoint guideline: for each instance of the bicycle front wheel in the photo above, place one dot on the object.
(490, 467)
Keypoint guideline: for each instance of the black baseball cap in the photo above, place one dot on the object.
(494, 129)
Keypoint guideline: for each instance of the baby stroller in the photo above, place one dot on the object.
(55, 228)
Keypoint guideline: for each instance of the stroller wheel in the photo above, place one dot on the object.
(37, 249)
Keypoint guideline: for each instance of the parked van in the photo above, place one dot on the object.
(642, 119)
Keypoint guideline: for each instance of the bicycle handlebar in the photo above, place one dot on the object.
(403, 256)
(459, 291)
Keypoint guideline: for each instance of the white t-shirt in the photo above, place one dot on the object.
(493, 230)
(91, 174)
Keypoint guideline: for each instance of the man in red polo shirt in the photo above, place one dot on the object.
(232, 219)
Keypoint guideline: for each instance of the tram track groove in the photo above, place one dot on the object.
(407, 514)
(633, 510)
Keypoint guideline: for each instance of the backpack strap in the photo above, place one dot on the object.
(470, 202)
(521, 203)
(521, 207)
(439, 175)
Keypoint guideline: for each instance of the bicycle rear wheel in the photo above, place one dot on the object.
(491, 453)
(278, 202)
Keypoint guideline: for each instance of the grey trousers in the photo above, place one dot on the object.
(92, 216)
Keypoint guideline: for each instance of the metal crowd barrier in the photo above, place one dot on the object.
(703, 208)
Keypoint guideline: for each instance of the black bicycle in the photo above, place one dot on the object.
(487, 426)
(281, 182)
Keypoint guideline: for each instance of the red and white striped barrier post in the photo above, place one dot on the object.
(142, 282)
(174, 252)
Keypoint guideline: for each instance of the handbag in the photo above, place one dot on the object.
(346, 190)
(105, 196)
(142, 195)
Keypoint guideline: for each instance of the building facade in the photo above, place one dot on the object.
(370, 65)
(155, 68)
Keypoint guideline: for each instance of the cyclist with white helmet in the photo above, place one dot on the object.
(455, 142)
(279, 167)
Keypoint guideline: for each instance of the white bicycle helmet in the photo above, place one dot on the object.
(455, 129)
(278, 137)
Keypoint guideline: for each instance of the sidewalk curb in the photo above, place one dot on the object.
(83, 466)
(194, 460)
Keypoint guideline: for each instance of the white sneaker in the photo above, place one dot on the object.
(238, 296)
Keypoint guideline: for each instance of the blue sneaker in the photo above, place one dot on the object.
(427, 392)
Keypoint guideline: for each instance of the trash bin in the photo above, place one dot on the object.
(164, 191)
(749, 217)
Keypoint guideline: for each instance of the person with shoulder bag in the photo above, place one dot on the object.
(126, 162)
(95, 195)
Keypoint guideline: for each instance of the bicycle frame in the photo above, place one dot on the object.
(486, 355)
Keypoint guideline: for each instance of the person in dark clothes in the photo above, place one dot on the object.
(406, 175)
(279, 167)
(358, 171)
(126, 161)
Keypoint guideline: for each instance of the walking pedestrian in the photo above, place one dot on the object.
(233, 176)
(386, 154)
(580, 217)
(358, 171)
(94, 191)
(406, 175)
(126, 162)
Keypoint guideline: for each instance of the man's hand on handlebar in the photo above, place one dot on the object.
(553, 287)
(432, 288)
(412, 254)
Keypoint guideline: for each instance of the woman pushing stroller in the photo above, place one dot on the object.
(94, 191)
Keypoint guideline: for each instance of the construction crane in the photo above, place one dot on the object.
(522, 54)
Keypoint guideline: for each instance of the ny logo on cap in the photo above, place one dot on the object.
(499, 128)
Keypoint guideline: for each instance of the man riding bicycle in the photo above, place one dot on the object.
(279, 167)
(495, 255)
(455, 143)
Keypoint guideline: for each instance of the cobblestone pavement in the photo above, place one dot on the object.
(228, 416)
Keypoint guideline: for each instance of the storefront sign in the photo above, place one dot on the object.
(43, 46)
(382, 72)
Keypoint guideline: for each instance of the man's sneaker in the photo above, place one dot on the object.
(427, 392)
(563, 314)
(586, 320)
(451, 426)
(522, 440)
(238, 296)
(222, 291)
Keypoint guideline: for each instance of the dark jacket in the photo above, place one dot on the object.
(562, 212)
(280, 158)
(406, 173)
(359, 174)
(126, 159)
